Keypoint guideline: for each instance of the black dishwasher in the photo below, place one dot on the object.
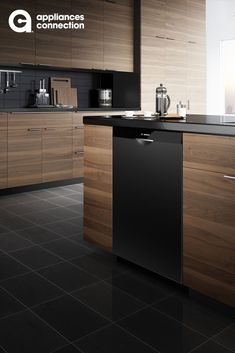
(147, 199)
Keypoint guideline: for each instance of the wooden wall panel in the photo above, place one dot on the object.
(53, 46)
(15, 47)
(118, 35)
(87, 44)
(173, 52)
(98, 185)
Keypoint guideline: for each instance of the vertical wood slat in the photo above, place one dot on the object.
(98, 185)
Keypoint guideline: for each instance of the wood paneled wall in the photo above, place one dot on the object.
(173, 52)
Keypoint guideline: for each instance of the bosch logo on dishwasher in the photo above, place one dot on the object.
(20, 21)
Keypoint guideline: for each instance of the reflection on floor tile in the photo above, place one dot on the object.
(31, 289)
(227, 338)
(109, 301)
(67, 276)
(26, 333)
(193, 314)
(162, 333)
(112, 339)
(61, 294)
(74, 320)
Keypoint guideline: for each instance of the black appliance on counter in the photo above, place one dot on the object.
(147, 199)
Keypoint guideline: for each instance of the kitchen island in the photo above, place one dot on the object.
(199, 194)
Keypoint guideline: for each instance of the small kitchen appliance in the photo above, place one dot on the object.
(162, 100)
(105, 97)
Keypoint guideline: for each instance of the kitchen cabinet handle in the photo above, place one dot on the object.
(144, 140)
(34, 129)
(229, 177)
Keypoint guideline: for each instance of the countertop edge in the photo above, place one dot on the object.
(187, 127)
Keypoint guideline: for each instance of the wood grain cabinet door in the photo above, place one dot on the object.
(3, 158)
(98, 185)
(53, 46)
(24, 157)
(57, 154)
(209, 216)
(88, 44)
(16, 47)
(118, 35)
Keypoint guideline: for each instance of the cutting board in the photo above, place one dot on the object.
(62, 93)
(65, 95)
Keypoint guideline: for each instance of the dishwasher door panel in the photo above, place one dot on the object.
(147, 199)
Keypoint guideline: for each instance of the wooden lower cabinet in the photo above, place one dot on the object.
(98, 185)
(209, 229)
(24, 157)
(57, 154)
(78, 164)
(3, 159)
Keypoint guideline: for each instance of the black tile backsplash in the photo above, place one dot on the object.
(86, 82)
(28, 82)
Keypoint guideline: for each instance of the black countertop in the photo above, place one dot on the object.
(48, 110)
(203, 124)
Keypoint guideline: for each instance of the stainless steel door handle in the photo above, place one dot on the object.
(229, 177)
(144, 140)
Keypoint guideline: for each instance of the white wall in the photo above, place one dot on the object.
(220, 25)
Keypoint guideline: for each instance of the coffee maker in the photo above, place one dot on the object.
(162, 100)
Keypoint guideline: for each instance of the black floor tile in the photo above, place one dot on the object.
(76, 187)
(36, 205)
(112, 339)
(66, 248)
(3, 229)
(78, 238)
(26, 333)
(71, 318)
(41, 218)
(61, 213)
(15, 223)
(211, 347)
(23, 198)
(109, 301)
(77, 196)
(9, 267)
(8, 304)
(164, 334)
(43, 194)
(31, 289)
(63, 201)
(36, 257)
(67, 276)
(76, 208)
(62, 191)
(101, 265)
(38, 235)
(227, 338)
(64, 228)
(193, 314)
(11, 241)
(149, 290)
(67, 349)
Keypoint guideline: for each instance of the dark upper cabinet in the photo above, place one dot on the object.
(87, 44)
(53, 46)
(16, 47)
